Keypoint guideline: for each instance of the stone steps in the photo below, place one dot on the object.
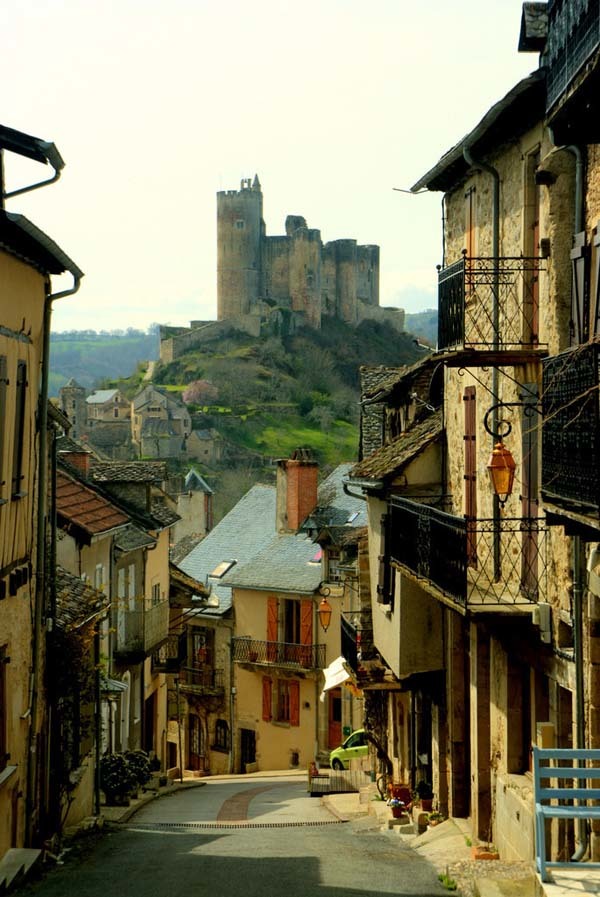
(16, 865)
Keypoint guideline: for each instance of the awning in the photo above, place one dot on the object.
(335, 674)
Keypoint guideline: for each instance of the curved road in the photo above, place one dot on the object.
(237, 837)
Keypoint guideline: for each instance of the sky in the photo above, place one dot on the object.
(156, 106)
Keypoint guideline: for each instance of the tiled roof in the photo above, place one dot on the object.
(156, 426)
(160, 510)
(186, 581)
(194, 481)
(184, 547)
(391, 458)
(76, 601)
(421, 371)
(77, 504)
(66, 444)
(241, 535)
(129, 471)
(132, 537)
(336, 507)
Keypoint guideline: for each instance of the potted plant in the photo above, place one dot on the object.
(139, 764)
(435, 818)
(397, 806)
(116, 779)
(424, 793)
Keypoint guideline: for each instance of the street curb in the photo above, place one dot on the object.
(113, 816)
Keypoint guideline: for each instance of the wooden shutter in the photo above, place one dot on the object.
(470, 438)
(3, 385)
(19, 431)
(294, 703)
(306, 631)
(272, 628)
(595, 298)
(470, 223)
(383, 580)
(267, 699)
(580, 311)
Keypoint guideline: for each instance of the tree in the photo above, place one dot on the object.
(200, 392)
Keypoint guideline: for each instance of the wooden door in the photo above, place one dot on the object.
(335, 717)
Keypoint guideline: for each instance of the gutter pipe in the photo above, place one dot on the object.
(41, 563)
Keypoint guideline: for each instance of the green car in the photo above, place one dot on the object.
(355, 745)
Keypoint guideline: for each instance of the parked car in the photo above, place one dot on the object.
(354, 746)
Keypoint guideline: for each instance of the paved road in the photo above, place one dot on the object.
(241, 838)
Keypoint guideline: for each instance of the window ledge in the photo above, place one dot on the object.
(281, 724)
(6, 773)
(17, 495)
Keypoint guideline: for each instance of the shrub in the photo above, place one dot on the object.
(116, 775)
(139, 763)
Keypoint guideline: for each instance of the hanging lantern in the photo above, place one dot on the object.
(502, 468)
(324, 613)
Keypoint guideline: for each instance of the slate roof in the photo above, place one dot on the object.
(241, 535)
(77, 602)
(336, 508)
(185, 546)
(186, 581)
(156, 426)
(194, 481)
(79, 505)
(101, 395)
(534, 27)
(66, 444)
(286, 564)
(162, 512)
(132, 537)
(390, 459)
(129, 471)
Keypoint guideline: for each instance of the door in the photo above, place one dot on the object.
(195, 753)
(335, 717)
(248, 747)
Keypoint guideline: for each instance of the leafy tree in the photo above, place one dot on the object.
(200, 392)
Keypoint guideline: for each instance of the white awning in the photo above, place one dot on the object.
(335, 674)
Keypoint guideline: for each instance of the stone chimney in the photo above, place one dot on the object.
(297, 480)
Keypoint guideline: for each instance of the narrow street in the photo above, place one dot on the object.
(237, 837)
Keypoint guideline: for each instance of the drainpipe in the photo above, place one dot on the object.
(40, 573)
(496, 327)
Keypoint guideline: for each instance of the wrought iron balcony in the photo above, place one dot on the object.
(573, 36)
(475, 563)
(171, 655)
(467, 320)
(571, 429)
(140, 632)
(281, 654)
(202, 681)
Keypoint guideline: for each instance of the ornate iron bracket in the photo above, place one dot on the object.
(504, 426)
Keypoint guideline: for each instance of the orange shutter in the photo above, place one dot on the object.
(294, 703)
(272, 628)
(470, 437)
(266, 699)
(306, 632)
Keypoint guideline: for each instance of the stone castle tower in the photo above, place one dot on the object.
(295, 271)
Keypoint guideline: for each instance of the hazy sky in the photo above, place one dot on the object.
(155, 106)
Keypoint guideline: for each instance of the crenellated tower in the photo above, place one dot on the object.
(240, 229)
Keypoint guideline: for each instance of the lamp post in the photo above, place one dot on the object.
(501, 468)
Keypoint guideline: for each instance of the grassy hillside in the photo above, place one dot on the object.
(92, 357)
(424, 325)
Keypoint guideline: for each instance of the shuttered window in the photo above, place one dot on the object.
(19, 431)
(272, 628)
(294, 703)
(267, 699)
(3, 393)
(4, 757)
(529, 490)
(580, 309)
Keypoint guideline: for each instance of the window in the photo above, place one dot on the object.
(470, 223)
(240, 224)
(202, 647)
(4, 756)
(99, 577)
(156, 593)
(333, 565)
(470, 437)
(116, 412)
(19, 431)
(221, 736)
(291, 622)
(287, 706)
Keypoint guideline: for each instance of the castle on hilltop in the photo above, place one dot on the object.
(274, 285)
(295, 272)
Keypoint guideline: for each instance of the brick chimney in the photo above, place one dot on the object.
(297, 480)
(79, 460)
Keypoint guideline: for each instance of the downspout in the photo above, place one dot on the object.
(496, 327)
(41, 559)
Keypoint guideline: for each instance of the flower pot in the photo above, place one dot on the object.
(481, 852)
(397, 812)
(426, 804)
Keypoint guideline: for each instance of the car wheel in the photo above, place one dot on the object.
(337, 764)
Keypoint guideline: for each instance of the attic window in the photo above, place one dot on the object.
(352, 517)
(221, 569)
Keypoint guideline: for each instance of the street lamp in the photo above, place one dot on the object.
(324, 613)
(501, 468)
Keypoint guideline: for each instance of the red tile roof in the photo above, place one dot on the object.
(81, 506)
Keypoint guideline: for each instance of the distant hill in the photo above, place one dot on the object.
(92, 357)
(424, 325)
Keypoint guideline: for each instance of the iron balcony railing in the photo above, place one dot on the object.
(139, 632)
(282, 654)
(472, 562)
(469, 315)
(573, 36)
(201, 680)
(571, 428)
(171, 655)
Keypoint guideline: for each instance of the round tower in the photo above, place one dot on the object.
(72, 402)
(305, 274)
(346, 281)
(240, 229)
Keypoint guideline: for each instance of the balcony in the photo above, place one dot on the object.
(467, 324)
(202, 681)
(140, 632)
(573, 38)
(280, 654)
(571, 429)
(474, 564)
(171, 655)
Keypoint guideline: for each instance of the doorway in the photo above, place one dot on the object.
(248, 747)
(334, 734)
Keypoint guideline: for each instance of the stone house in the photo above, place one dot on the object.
(194, 504)
(28, 261)
(160, 424)
(206, 446)
(107, 406)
